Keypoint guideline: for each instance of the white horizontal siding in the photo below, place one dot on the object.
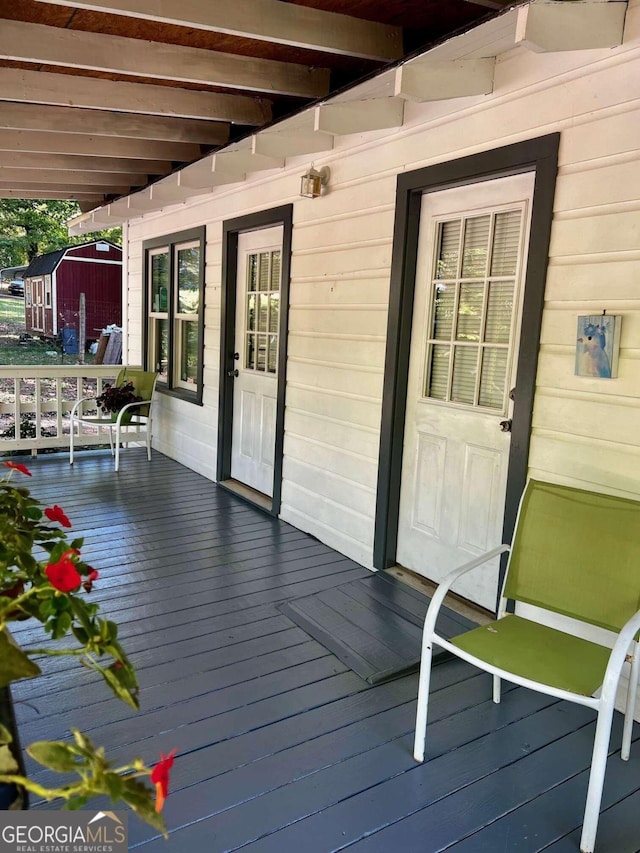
(327, 431)
(585, 430)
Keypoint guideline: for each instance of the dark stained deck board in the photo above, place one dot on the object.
(518, 829)
(341, 756)
(199, 679)
(617, 830)
(350, 778)
(465, 812)
(280, 746)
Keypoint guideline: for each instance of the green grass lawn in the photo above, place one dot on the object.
(35, 351)
(12, 309)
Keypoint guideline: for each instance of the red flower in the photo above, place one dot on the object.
(17, 466)
(160, 778)
(63, 575)
(91, 577)
(56, 513)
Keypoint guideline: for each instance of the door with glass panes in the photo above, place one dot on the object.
(464, 344)
(255, 388)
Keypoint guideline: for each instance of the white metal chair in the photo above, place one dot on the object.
(132, 423)
(574, 553)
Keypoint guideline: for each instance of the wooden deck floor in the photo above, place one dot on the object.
(280, 747)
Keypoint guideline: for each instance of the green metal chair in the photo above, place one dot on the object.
(574, 553)
(133, 421)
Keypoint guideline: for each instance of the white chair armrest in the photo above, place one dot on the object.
(618, 655)
(77, 405)
(451, 578)
(130, 406)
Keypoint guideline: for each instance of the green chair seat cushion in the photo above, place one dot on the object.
(538, 653)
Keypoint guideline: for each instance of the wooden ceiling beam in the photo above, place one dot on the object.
(42, 87)
(266, 20)
(49, 195)
(26, 42)
(79, 189)
(109, 124)
(549, 27)
(95, 179)
(43, 142)
(73, 163)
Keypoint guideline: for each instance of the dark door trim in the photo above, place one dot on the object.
(231, 229)
(539, 155)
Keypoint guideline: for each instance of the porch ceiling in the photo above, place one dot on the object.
(130, 105)
(104, 97)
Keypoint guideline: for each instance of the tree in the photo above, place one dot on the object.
(33, 227)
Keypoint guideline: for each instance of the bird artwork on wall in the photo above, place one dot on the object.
(598, 345)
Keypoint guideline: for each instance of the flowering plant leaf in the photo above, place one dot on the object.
(8, 764)
(56, 755)
(115, 397)
(15, 663)
(96, 776)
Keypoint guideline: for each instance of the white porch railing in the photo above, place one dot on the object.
(35, 401)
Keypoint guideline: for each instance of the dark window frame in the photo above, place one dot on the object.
(171, 241)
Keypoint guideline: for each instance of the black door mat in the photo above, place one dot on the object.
(373, 625)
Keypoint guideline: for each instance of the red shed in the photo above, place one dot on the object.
(54, 282)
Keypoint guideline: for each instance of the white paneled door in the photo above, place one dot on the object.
(37, 304)
(464, 344)
(255, 387)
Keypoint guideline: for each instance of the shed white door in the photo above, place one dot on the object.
(37, 309)
(464, 344)
(255, 388)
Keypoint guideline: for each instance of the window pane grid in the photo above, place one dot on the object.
(473, 286)
(160, 347)
(187, 276)
(159, 282)
(188, 334)
(262, 313)
(447, 265)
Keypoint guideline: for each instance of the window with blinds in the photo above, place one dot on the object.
(262, 315)
(471, 321)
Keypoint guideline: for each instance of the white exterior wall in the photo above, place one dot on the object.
(586, 431)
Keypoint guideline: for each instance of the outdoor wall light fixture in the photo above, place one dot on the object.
(313, 181)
